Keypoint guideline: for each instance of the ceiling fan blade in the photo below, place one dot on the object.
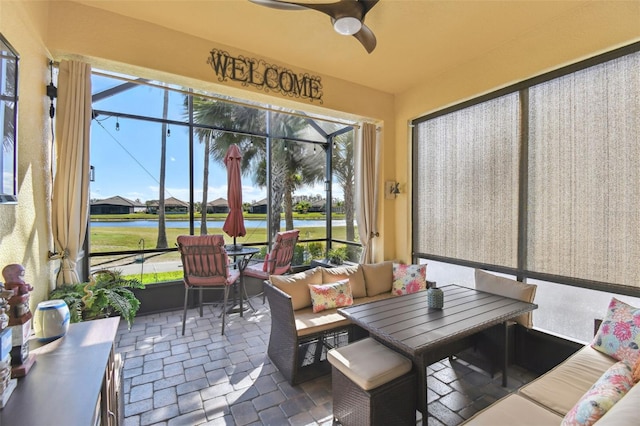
(367, 38)
(282, 5)
(367, 5)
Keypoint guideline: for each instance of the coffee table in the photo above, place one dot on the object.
(426, 335)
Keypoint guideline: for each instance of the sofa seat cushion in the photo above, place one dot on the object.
(297, 286)
(351, 272)
(563, 386)
(368, 363)
(309, 323)
(612, 386)
(514, 410)
(625, 411)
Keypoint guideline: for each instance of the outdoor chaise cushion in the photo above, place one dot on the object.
(560, 388)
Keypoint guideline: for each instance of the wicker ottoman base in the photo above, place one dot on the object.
(393, 403)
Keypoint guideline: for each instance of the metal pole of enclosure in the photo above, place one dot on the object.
(327, 189)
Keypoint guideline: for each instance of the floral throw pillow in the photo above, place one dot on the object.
(408, 279)
(619, 333)
(609, 389)
(328, 296)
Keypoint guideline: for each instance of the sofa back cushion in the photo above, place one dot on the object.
(297, 286)
(378, 277)
(612, 386)
(352, 272)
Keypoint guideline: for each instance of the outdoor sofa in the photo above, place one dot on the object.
(299, 337)
(596, 385)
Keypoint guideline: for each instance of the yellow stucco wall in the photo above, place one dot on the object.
(150, 51)
(596, 28)
(24, 229)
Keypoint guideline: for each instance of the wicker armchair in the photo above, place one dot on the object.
(301, 358)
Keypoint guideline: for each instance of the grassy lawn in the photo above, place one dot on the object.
(126, 238)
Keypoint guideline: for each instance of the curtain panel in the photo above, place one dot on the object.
(366, 163)
(70, 200)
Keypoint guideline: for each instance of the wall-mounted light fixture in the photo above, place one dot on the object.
(391, 189)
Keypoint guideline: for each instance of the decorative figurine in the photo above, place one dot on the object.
(19, 319)
(14, 281)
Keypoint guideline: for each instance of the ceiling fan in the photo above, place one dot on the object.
(347, 16)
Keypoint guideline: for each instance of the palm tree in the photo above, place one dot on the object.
(292, 164)
(344, 172)
(221, 114)
(162, 231)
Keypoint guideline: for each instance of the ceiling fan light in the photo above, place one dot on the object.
(347, 25)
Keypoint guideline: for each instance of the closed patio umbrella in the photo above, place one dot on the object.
(234, 224)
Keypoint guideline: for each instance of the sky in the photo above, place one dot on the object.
(125, 153)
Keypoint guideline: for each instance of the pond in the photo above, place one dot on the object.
(297, 223)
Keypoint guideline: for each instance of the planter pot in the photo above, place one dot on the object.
(161, 297)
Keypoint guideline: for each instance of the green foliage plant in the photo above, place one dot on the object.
(337, 255)
(107, 294)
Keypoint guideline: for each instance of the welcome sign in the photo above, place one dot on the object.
(268, 77)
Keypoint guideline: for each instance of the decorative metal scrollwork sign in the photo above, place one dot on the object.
(268, 77)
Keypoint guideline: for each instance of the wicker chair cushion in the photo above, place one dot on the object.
(369, 364)
(353, 273)
(297, 286)
(378, 277)
(509, 288)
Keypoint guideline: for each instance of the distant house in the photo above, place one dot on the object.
(219, 205)
(171, 206)
(259, 207)
(318, 206)
(116, 205)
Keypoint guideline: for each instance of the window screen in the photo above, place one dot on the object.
(466, 191)
(584, 174)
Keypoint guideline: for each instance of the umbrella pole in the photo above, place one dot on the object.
(234, 243)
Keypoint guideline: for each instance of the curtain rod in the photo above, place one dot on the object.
(186, 92)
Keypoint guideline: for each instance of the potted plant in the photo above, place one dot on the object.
(105, 295)
(337, 255)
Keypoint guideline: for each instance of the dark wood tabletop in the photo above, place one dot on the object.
(426, 335)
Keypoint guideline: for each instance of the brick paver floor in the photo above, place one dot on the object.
(204, 378)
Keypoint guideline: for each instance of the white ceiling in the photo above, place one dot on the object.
(417, 39)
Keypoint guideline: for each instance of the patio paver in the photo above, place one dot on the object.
(205, 378)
